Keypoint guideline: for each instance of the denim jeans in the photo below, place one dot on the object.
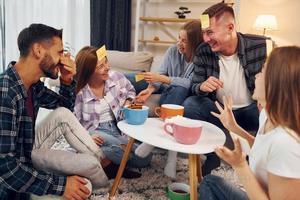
(112, 146)
(216, 188)
(173, 95)
(197, 107)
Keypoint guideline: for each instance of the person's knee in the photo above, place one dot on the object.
(62, 113)
(182, 91)
(205, 183)
(190, 101)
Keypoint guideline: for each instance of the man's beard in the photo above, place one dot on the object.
(48, 66)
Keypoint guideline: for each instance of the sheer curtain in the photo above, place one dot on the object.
(2, 35)
(73, 16)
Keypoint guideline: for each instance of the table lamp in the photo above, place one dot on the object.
(265, 22)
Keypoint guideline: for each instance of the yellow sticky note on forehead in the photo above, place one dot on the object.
(101, 53)
(204, 21)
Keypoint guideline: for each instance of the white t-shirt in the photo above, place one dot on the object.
(104, 111)
(276, 152)
(233, 77)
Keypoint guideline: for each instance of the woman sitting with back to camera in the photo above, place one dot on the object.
(274, 160)
(101, 94)
(173, 80)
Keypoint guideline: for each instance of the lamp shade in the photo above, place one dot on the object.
(266, 22)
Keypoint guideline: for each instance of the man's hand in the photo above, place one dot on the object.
(143, 95)
(98, 139)
(68, 69)
(76, 189)
(211, 84)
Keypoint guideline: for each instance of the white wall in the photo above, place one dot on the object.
(286, 11)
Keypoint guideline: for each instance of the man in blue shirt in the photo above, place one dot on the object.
(21, 95)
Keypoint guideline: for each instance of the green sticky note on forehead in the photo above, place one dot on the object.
(204, 21)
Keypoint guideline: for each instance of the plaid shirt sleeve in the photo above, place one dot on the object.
(15, 173)
(200, 74)
(51, 100)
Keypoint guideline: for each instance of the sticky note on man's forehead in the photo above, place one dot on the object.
(101, 53)
(204, 21)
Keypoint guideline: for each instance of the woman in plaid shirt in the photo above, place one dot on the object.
(101, 93)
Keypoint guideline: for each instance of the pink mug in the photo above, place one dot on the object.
(185, 132)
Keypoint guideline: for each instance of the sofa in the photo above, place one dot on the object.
(130, 63)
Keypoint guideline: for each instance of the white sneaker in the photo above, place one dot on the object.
(143, 150)
(170, 168)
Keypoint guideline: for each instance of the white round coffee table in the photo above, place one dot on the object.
(152, 132)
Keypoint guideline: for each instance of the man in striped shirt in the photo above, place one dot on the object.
(225, 65)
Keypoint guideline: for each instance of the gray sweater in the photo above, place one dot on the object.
(173, 66)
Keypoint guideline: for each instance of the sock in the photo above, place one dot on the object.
(170, 168)
(111, 171)
(143, 150)
(203, 159)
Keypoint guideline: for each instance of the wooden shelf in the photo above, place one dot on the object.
(158, 41)
(162, 19)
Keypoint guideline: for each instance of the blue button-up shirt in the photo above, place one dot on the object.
(17, 135)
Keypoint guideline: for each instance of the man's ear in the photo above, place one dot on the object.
(230, 27)
(37, 50)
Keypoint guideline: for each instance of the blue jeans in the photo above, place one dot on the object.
(197, 107)
(173, 95)
(216, 188)
(169, 94)
(112, 146)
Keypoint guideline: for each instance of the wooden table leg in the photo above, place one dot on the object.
(199, 169)
(193, 176)
(121, 168)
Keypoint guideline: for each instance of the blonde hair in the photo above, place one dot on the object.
(282, 87)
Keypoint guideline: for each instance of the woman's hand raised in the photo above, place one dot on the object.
(226, 115)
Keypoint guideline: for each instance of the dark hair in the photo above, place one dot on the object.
(35, 33)
(217, 10)
(282, 82)
(194, 34)
(86, 62)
